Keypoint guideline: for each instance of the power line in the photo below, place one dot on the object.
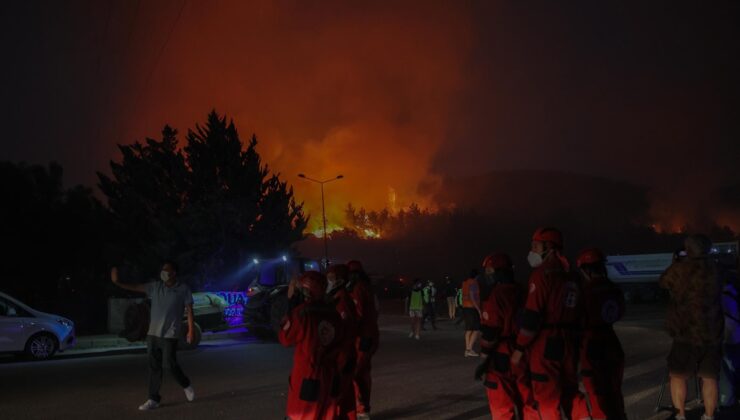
(159, 56)
(164, 46)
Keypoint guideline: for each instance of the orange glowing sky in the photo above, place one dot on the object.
(330, 91)
(393, 95)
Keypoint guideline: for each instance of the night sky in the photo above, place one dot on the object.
(394, 96)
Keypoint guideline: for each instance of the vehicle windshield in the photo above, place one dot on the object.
(274, 273)
(10, 309)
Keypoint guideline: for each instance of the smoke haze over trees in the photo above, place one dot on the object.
(499, 211)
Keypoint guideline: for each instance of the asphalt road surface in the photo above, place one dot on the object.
(247, 379)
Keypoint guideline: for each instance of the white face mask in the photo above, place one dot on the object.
(534, 259)
(164, 275)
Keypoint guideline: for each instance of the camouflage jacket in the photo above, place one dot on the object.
(695, 309)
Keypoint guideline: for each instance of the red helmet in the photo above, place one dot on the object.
(313, 284)
(590, 256)
(340, 270)
(548, 235)
(354, 265)
(497, 260)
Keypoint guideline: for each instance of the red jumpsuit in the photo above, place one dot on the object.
(366, 342)
(315, 329)
(549, 335)
(601, 355)
(507, 386)
(347, 359)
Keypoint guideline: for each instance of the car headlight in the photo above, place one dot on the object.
(65, 322)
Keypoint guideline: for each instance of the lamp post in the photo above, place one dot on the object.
(323, 210)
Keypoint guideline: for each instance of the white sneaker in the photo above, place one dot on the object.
(189, 393)
(149, 405)
(363, 416)
(416, 336)
(471, 353)
(411, 334)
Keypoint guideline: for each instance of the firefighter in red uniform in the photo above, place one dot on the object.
(506, 385)
(601, 355)
(315, 329)
(549, 327)
(366, 343)
(338, 296)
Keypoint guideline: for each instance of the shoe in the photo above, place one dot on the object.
(416, 337)
(706, 417)
(149, 405)
(471, 353)
(189, 393)
(411, 334)
(363, 416)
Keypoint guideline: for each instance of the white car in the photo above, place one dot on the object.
(37, 334)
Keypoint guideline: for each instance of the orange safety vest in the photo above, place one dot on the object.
(467, 301)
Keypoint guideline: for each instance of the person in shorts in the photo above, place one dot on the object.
(415, 308)
(696, 323)
(450, 292)
(471, 312)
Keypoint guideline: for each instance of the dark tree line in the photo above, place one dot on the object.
(53, 239)
(210, 205)
(431, 244)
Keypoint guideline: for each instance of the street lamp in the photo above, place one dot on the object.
(323, 210)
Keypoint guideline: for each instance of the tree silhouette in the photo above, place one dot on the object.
(210, 206)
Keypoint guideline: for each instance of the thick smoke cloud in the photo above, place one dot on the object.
(394, 96)
(356, 88)
(645, 93)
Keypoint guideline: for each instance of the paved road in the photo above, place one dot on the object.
(426, 379)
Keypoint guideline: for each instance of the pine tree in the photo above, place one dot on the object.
(210, 206)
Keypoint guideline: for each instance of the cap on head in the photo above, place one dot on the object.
(590, 256)
(549, 234)
(497, 261)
